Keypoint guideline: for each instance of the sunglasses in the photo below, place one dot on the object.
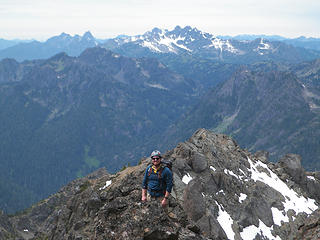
(155, 159)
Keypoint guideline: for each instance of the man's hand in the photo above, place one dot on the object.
(144, 195)
(164, 202)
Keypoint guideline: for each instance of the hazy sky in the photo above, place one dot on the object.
(41, 19)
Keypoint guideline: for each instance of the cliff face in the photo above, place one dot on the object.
(220, 192)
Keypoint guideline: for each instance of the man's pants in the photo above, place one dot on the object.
(159, 200)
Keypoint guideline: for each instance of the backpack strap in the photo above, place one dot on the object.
(160, 172)
(149, 170)
(161, 180)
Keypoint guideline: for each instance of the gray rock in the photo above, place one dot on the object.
(263, 156)
(291, 163)
(199, 162)
(312, 188)
(6, 228)
(181, 164)
(317, 175)
(211, 228)
(194, 205)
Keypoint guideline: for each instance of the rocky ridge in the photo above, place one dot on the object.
(220, 192)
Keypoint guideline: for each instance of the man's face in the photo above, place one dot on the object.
(156, 161)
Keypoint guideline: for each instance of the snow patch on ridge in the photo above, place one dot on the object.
(242, 197)
(311, 178)
(292, 201)
(157, 85)
(249, 233)
(186, 178)
(262, 46)
(222, 45)
(108, 183)
(278, 216)
(225, 222)
(229, 172)
(150, 46)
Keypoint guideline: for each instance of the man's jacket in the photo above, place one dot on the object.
(157, 186)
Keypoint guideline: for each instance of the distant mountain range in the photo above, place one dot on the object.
(9, 43)
(187, 40)
(191, 41)
(309, 43)
(73, 46)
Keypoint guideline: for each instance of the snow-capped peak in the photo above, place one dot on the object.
(193, 41)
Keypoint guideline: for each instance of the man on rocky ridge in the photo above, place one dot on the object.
(157, 181)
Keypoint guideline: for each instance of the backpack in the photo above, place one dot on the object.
(164, 163)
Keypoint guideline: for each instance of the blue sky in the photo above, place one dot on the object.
(41, 19)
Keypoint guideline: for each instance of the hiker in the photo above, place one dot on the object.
(157, 180)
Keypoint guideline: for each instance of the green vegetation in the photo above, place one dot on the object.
(92, 162)
(223, 126)
(59, 66)
(124, 167)
(84, 186)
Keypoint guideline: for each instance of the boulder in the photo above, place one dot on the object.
(199, 162)
(291, 163)
(194, 204)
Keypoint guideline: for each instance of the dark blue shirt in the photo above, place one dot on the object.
(157, 187)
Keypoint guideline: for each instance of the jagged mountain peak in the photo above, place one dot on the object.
(88, 34)
(67, 39)
(62, 37)
(157, 30)
(220, 192)
(177, 30)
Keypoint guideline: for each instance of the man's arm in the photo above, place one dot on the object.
(144, 186)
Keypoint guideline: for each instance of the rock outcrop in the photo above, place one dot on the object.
(220, 192)
(6, 228)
